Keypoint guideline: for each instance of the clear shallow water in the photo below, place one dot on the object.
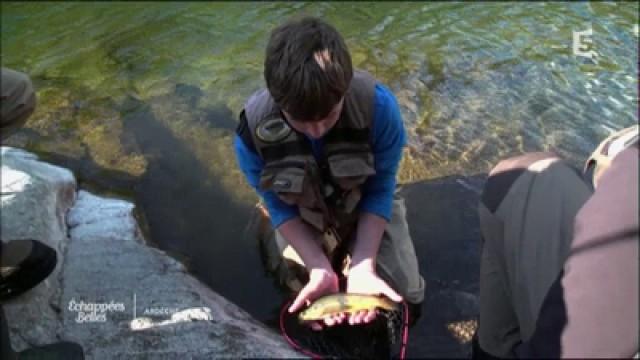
(476, 81)
(141, 99)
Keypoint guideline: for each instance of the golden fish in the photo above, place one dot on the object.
(345, 303)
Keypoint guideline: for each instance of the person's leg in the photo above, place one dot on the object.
(24, 263)
(526, 216)
(397, 262)
(17, 103)
(498, 331)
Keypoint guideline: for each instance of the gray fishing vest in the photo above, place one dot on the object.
(326, 191)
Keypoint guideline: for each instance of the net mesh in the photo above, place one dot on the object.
(383, 338)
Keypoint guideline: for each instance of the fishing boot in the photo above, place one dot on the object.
(23, 265)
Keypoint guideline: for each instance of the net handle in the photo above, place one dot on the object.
(405, 330)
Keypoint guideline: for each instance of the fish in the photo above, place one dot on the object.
(345, 303)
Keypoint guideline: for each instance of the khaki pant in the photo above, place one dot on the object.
(396, 261)
(526, 217)
(18, 101)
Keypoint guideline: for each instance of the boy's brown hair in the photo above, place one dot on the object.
(307, 68)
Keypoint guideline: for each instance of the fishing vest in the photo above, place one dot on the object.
(326, 191)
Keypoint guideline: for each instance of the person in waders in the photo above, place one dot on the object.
(321, 145)
(24, 263)
(559, 268)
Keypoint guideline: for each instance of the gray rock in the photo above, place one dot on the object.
(157, 308)
(35, 199)
(111, 292)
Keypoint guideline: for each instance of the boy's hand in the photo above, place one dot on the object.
(363, 280)
(321, 282)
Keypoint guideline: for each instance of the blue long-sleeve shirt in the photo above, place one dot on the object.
(388, 139)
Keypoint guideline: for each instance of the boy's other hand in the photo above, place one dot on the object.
(321, 282)
(366, 281)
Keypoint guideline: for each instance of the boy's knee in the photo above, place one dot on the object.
(16, 87)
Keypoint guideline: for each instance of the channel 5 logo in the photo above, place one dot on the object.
(583, 44)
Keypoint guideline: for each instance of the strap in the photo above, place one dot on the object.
(243, 131)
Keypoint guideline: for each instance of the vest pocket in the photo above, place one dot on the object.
(351, 170)
(290, 184)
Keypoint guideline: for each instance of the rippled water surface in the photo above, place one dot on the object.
(141, 99)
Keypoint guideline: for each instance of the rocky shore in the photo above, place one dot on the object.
(111, 292)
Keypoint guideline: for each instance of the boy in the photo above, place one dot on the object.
(322, 145)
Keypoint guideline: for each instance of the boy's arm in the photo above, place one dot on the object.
(375, 207)
(284, 217)
(251, 165)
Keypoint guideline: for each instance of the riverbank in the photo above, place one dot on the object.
(111, 292)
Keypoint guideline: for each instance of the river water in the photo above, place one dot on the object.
(140, 99)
